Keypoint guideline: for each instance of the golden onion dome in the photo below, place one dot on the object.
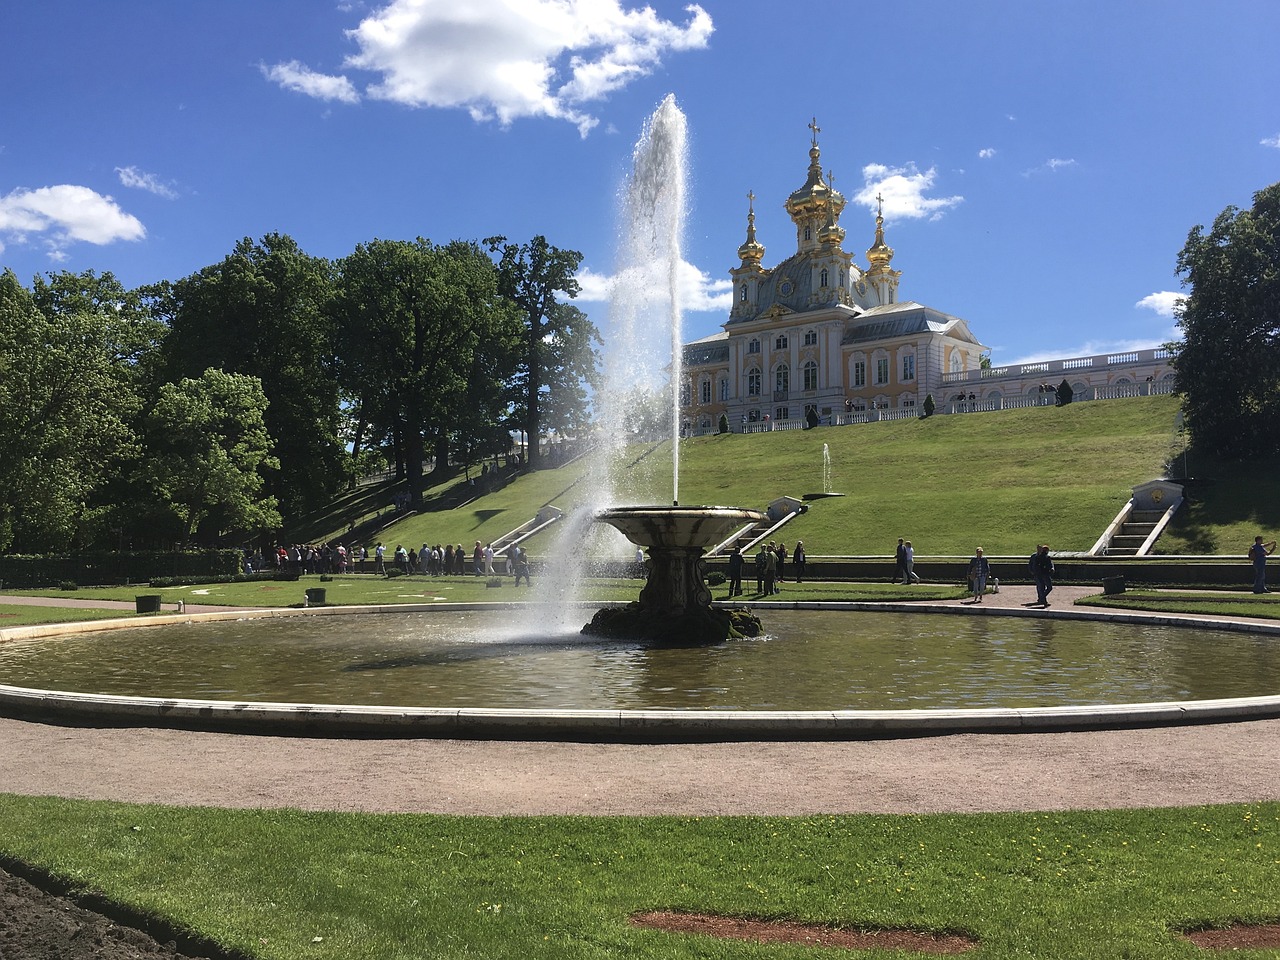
(880, 253)
(752, 251)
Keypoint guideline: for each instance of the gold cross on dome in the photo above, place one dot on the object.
(813, 125)
(880, 207)
(751, 199)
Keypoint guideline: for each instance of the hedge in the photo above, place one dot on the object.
(112, 568)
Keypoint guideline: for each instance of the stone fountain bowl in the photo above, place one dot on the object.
(678, 527)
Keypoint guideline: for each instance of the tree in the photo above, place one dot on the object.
(428, 345)
(1065, 393)
(69, 391)
(930, 405)
(1227, 365)
(558, 354)
(207, 444)
(262, 311)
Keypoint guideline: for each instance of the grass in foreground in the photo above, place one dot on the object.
(290, 885)
(20, 615)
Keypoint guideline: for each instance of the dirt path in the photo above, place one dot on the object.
(1097, 769)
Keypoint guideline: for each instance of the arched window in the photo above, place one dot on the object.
(807, 234)
(724, 389)
(782, 378)
(822, 277)
(780, 342)
(957, 361)
(811, 338)
(908, 366)
(685, 394)
(704, 391)
(753, 346)
(753, 382)
(811, 375)
(744, 293)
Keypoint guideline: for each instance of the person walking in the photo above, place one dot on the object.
(1258, 553)
(979, 571)
(900, 562)
(735, 572)
(909, 563)
(1041, 565)
(522, 567)
(798, 560)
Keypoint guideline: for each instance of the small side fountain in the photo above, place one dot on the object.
(675, 605)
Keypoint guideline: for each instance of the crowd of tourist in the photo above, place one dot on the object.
(437, 560)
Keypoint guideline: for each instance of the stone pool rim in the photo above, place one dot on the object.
(609, 725)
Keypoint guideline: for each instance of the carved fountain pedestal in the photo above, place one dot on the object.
(675, 605)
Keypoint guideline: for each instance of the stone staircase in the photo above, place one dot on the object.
(1140, 521)
(1133, 533)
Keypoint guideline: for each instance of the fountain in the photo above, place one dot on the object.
(675, 604)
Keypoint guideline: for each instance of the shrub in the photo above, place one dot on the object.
(715, 578)
(68, 585)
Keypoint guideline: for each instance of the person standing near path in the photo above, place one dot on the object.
(1258, 553)
(909, 563)
(979, 571)
(735, 573)
(900, 562)
(798, 559)
(770, 570)
(1041, 565)
(380, 559)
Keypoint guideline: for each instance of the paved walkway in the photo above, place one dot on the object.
(1172, 766)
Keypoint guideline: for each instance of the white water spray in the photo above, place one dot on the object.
(826, 469)
(643, 367)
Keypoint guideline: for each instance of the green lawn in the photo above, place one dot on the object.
(1001, 480)
(287, 885)
(361, 590)
(20, 615)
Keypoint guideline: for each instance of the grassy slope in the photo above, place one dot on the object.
(1228, 505)
(1003, 480)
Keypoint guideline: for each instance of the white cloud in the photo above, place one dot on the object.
(302, 79)
(903, 189)
(698, 292)
(1050, 166)
(1271, 141)
(65, 214)
(987, 153)
(504, 59)
(1163, 302)
(133, 177)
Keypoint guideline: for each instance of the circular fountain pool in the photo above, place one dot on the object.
(816, 664)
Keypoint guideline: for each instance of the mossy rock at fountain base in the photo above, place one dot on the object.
(688, 629)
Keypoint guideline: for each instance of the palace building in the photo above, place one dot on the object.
(820, 336)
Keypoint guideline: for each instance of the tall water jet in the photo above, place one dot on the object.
(826, 469)
(675, 605)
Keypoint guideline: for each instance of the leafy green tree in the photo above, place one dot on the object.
(930, 405)
(69, 377)
(208, 446)
(262, 311)
(426, 344)
(558, 357)
(1227, 365)
(1065, 393)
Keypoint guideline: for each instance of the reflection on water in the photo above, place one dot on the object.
(809, 661)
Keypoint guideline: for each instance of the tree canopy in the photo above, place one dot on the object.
(558, 345)
(1228, 362)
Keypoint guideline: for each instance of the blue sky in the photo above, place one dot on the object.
(1042, 162)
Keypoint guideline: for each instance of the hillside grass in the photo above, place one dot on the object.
(1004, 480)
(1228, 504)
(293, 885)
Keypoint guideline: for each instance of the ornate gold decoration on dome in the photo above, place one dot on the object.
(831, 232)
(815, 195)
(880, 253)
(752, 251)
(775, 311)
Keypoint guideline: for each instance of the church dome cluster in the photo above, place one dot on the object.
(819, 334)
